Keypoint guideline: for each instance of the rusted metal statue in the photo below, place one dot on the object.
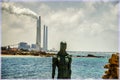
(63, 62)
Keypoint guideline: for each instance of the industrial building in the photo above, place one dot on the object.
(23, 46)
(33, 47)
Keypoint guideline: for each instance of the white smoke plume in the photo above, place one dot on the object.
(18, 11)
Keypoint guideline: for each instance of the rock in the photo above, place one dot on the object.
(107, 72)
(105, 76)
(114, 59)
(90, 55)
(113, 67)
(107, 66)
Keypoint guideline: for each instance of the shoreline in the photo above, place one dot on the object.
(19, 55)
(9, 55)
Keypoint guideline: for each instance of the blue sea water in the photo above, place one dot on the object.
(41, 67)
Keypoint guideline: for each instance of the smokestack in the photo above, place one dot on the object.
(45, 38)
(38, 37)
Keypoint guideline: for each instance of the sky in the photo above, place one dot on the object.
(84, 26)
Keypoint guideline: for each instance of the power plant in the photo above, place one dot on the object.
(37, 46)
(12, 9)
(38, 36)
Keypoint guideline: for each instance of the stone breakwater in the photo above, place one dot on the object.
(113, 67)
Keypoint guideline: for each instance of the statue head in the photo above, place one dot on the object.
(63, 46)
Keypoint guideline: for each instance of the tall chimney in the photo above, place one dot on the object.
(45, 38)
(44, 34)
(38, 37)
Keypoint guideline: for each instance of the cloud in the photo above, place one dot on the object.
(12, 9)
(84, 26)
(72, 21)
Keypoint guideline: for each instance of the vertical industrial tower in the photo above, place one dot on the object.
(38, 37)
(45, 38)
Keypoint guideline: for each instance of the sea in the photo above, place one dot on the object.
(41, 67)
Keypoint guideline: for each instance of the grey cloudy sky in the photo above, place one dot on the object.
(85, 26)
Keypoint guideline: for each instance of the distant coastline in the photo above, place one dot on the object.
(26, 53)
(9, 55)
(3, 55)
